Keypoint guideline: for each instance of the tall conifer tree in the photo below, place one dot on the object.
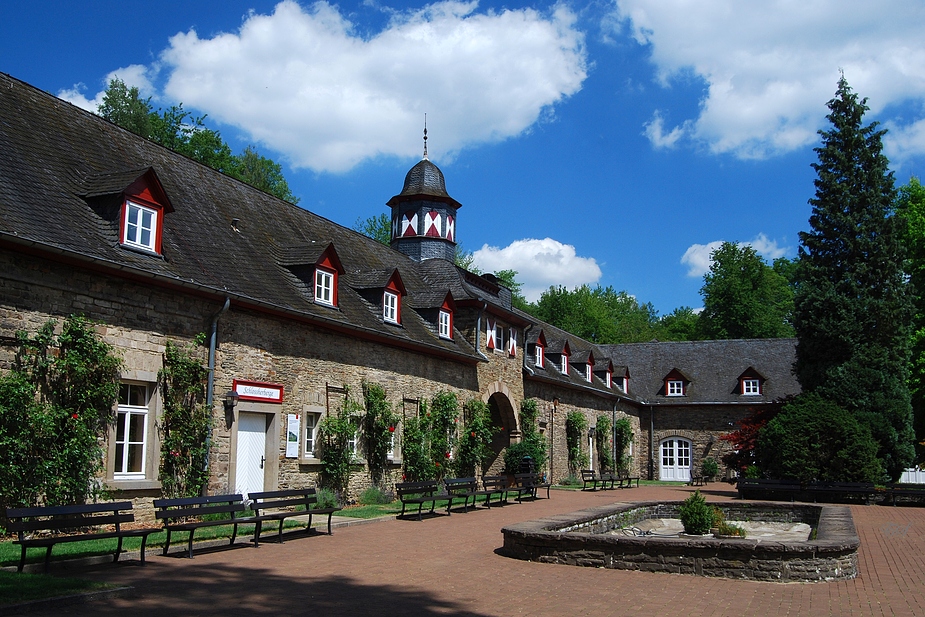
(853, 307)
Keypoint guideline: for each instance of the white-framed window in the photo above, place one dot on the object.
(499, 339)
(675, 387)
(131, 431)
(444, 327)
(140, 226)
(538, 356)
(588, 372)
(324, 286)
(751, 387)
(390, 307)
(352, 443)
(563, 366)
(608, 377)
(310, 433)
(626, 384)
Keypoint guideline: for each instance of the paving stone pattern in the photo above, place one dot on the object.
(449, 566)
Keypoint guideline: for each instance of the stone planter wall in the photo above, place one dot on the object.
(578, 539)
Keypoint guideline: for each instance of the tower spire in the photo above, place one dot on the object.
(425, 135)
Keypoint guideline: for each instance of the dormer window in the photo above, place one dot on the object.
(445, 324)
(588, 369)
(538, 356)
(563, 366)
(324, 286)
(139, 227)
(608, 378)
(751, 386)
(390, 307)
(675, 387)
(626, 385)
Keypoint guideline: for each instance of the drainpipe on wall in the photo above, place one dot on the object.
(478, 331)
(651, 445)
(613, 438)
(210, 395)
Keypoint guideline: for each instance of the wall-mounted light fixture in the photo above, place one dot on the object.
(230, 402)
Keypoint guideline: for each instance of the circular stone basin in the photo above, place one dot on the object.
(595, 537)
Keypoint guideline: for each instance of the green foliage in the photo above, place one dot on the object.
(601, 315)
(180, 131)
(603, 443)
(373, 496)
(508, 278)
(709, 467)
(623, 437)
(531, 443)
(911, 208)
(185, 423)
(326, 498)
(430, 438)
(743, 297)
(56, 406)
(696, 515)
(379, 228)
(812, 439)
(474, 446)
(415, 450)
(378, 430)
(853, 306)
(575, 426)
(679, 325)
(465, 259)
(336, 431)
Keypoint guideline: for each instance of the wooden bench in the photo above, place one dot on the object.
(283, 504)
(532, 482)
(419, 493)
(697, 481)
(627, 481)
(186, 514)
(844, 491)
(494, 485)
(461, 488)
(77, 521)
(762, 488)
(589, 476)
(909, 493)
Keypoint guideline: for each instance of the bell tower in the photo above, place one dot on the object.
(424, 214)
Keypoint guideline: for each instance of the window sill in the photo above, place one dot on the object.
(130, 484)
(141, 250)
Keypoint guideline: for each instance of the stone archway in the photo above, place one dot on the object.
(503, 417)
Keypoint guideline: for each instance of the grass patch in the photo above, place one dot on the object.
(18, 588)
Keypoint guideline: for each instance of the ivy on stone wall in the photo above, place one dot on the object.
(532, 444)
(430, 439)
(186, 421)
(336, 431)
(623, 437)
(56, 407)
(379, 426)
(603, 443)
(474, 446)
(575, 426)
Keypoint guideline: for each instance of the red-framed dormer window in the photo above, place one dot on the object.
(327, 274)
(141, 220)
(445, 317)
(391, 299)
(588, 370)
(539, 351)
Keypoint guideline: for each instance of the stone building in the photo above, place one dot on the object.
(155, 247)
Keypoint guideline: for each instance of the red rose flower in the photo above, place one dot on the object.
(391, 429)
(473, 433)
(448, 455)
(74, 415)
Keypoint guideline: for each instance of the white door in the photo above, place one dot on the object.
(252, 448)
(675, 460)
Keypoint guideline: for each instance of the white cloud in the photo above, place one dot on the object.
(539, 264)
(304, 82)
(770, 67)
(697, 256)
(133, 75)
(655, 131)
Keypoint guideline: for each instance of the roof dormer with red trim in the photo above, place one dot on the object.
(328, 269)
(676, 383)
(392, 296)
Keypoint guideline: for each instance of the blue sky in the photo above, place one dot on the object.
(608, 143)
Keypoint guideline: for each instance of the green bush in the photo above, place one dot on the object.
(603, 442)
(373, 496)
(696, 515)
(474, 445)
(326, 498)
(379, 424)
(575, 426)
(337, 458)
(709, 468)
(531, 444)
(813, 439)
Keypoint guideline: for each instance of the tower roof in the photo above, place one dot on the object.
(424, 180)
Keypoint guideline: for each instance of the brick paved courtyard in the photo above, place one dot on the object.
(449, 566)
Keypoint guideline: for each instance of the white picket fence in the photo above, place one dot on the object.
(913, 475)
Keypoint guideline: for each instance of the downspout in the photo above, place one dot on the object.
(651, 445)
(210, 386)
(613, 439)
(478, 331)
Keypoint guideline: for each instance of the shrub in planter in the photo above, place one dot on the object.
(709, 468)
(696, 515)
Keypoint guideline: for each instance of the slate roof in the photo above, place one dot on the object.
(55, 156)
(713, 368)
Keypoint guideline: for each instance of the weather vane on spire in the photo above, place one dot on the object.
(425, 135)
